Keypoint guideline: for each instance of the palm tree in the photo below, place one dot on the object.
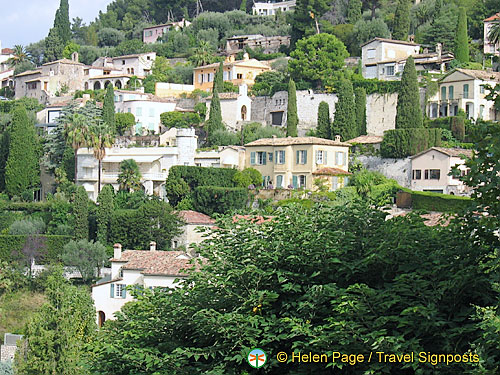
(203, 54)
(20, 56)
(494, 33)
(76, 132)
(100, 137)
(130, 176)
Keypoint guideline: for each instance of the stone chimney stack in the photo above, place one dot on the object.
(439, 50)
(152, 246)
(74, 56)
(337, 138)
(117, 251)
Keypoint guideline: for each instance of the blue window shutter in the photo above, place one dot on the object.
(252, 158)
(112, 290)
(270, 157)
(124, 291)
(305, 157)
(276, 157)
(298, 155)
(264, 156)
(295, 182)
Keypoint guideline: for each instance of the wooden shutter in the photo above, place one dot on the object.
(252, 158)
(264, 157)
(305, 157)
(297, 155)
(112, 288)
(124, 291)
(294, 182)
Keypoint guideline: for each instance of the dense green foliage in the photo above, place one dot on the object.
(11, 247)
(271, 286)
(104, 212)
(344, 120)
(400, 143)
(177, 119)
(22, 169)
(247, 177)
(61, 22)
(268, 83)
(360, 109)
(304, 17)
(461, 49)
(123, 122)
(216, 199)
(292, 118)
(323, 128)
(423, 200)
(214, 122)
(401, 26)
(130, 175)
(81, 214)
(203, 176)
(87, 257)
(354, 11)
(408, 110)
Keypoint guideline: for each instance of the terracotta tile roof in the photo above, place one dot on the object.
(493, 17)
(7, 51)
(193, 217)
(260, 65)
(28, 72)
(328, 171)
(131, 56)
(161, 263)
(367, 139)
(480, 74)
(64, 61)
(391, 41)
(454, 152)
(288, 141)
(252, 218)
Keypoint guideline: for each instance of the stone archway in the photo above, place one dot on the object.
(86, 86)
(97, 85)
(101, 318)
(243, 113)
(118, 84)
(107, 83)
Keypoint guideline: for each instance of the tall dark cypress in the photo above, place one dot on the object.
(401, 20)
(323, 129)
(81, 214)
(360, 104)
(408, 111)
(61, 22)
(219, 79)
(461, 38)
(344, 121)
(292, 118)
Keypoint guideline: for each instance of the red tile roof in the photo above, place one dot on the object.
(160, 263)
(493, 17)
(254, 219)
(193, 217)
(7, 51)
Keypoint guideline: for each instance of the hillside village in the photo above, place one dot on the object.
(280, 175)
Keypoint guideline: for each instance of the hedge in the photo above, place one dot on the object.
(12, 244)
(400, 143)
(424, 200)
(215, 199)
(203, 176)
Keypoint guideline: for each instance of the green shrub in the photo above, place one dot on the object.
(53, 246)
(247, 177)
(216, 199)
(429, 201)
(204, 176)
(400, 143)
(27, 227)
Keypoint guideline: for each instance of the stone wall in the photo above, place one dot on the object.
(396, 169)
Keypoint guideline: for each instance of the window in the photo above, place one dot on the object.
(138, 111)
(432, 174)
(200, 78)
(277, 118)
(481, 89)
(339, 158)
(390, 70)
(302, 181)
(123, 62)
(443, 93)
(450, 92)
(31, 85)
(301, 157)
(270, 156)
(239, 76)
(279, 181)
(321, 157)
(129, 110)
(118, 291)
(466, 91)
(370, 54)
(417, 174)
(481, 111)
(258, 158)
(279, 157)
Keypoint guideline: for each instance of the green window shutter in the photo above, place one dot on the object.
(298, 155)
(295, 182)
(325, 154)
(112, 294)
(264, 157)
(270, 157)
(305, 157)
(124, 291)
(252, 158)
(276, 157)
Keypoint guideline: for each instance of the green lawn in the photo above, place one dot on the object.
(16, 309)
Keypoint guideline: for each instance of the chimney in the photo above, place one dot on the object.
(246, 56)
(74, 56)
(337, 138)
(439, 50)
(152, 246)
(117, 251)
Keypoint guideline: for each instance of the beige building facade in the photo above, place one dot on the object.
(294, 162)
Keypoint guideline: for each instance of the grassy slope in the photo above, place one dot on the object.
(16, 309)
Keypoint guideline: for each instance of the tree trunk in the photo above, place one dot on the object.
(99, 178)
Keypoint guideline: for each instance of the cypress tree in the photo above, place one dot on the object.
(53, 47)
(4, 154)
(360, 105)
(108, 108)
(461, 39)
(344, 121)
(219, 79)
(292, 118)
(354, 11)
(214, 122)
(323, 129)
(22, 170)
(401, 21)
(408, 111)
(104, 212)
(81, 214)
(243, 6)
(61, 22)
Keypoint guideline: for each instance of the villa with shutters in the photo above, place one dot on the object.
(295, 162)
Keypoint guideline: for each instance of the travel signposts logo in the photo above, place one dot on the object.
(256, 358)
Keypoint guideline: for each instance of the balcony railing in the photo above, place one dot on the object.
(114, 176)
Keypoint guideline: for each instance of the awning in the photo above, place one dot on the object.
(137, 158)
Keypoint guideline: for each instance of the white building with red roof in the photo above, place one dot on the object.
(490, 47)
(192, 232)
(146, 268)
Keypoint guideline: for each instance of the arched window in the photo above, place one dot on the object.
(244, 113)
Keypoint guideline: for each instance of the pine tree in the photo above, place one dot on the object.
(22, 171)
(219, 79)
(360, 105)
(401, 21)
(438, 5)
(408, 111)
(292, 118)
(53, 47)
(461, 39)
(81, 214)
(323, 129)
(243, 6)
(354, 11)
(61, 22)
(108, 108)
(344, 121)
(214, 122)
(104, 212)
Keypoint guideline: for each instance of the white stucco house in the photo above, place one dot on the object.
(154, 163)
(146, 268)
(269, 8)
(191, 235)
(430, 169)
(489, 47)
(465, 89)
(223, 157)
(236, 108)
